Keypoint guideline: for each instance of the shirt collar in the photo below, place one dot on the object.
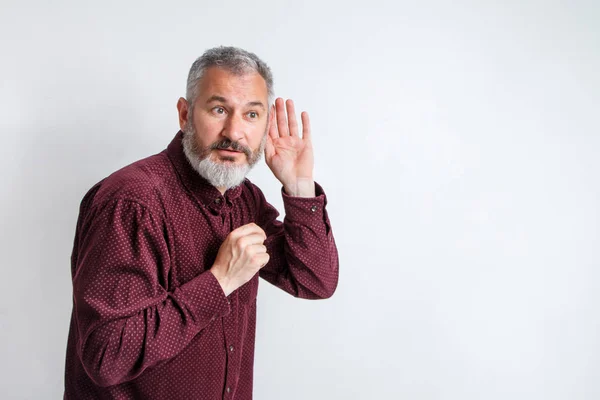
(199, 187)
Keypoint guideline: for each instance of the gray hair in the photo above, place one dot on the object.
(233, 59)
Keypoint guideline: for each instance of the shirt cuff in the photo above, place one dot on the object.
(301, 208)
(205, 297)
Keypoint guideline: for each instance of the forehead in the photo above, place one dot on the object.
(233, 87)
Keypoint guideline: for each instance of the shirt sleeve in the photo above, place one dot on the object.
(126, 319)
(303, 255)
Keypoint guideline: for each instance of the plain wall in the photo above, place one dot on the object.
(458, 143)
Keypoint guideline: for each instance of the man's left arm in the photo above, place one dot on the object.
(303, 255)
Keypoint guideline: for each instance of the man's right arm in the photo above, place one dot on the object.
(127, 321)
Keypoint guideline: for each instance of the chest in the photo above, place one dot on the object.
(194, 232)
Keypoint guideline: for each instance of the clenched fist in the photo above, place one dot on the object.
(240, 257)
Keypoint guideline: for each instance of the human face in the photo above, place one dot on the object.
(229, 118)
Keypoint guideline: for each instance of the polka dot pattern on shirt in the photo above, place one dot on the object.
(150, 321)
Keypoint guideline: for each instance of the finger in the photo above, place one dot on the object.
(257, 249)
(282, 126)
(253, 229)
(291, 114)
(264, 259)
(258, 256)
(247, 241)
(306, 133)
(248, 229)
(273, 124)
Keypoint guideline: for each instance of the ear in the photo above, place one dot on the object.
(271, 118)
(183, 111)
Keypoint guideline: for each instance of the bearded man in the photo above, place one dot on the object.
(169, 249)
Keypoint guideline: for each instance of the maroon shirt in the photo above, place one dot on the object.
(150, 321)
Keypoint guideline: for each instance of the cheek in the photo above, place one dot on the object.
(207, 132)
(257, 136)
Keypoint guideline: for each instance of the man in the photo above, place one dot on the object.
(168, 250)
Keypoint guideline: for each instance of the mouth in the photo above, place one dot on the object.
(228, 151)
(228, 155)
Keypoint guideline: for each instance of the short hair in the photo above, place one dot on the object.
(234, 60)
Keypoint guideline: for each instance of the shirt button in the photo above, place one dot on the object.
(230, 348)
(313, 208)
(228, 389)
(218, 200)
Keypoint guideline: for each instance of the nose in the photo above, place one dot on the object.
(234, 128)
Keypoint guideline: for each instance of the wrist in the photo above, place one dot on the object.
(302, 187)
(222, 280)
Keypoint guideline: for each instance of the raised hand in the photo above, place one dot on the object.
(289, 156)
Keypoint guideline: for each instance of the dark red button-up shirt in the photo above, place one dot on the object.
(150, 321)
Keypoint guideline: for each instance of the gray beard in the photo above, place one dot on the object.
(219, 174)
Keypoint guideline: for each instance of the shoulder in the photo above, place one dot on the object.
(141, 182)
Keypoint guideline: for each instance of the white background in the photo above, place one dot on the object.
(458, 143)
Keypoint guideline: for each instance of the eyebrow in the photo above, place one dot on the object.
(222, 99)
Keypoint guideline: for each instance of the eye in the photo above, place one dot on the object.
(253, 114)
(219, 110)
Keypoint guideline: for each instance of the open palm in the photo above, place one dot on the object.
(289, 156)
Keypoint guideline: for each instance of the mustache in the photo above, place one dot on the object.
(227, 144)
